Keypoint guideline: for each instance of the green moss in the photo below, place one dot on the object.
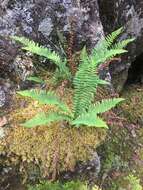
(130, 182)
(45, 185)
(122, 151)
(53, 148)
(133, 106)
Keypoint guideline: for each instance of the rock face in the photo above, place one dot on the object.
(129, 14)
(42, 20)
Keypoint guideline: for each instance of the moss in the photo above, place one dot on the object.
(133, 105)
(122, 151)
(54, 148)
(129, 182)
(72, 185)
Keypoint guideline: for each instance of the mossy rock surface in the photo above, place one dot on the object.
(122, 152)
(71, 185)
(133, 105)
(54, 148)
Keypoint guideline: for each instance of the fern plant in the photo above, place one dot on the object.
(62, 71)
(85, 82)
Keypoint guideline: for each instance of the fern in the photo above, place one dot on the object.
(109, 40)
(104, 105)
(44, 97)
(86, 79)
(35, 48)
(107, 49)
(91, 118)
(35, 79)
(85, 82)
(45, 119)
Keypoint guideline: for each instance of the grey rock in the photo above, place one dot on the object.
(129, 14)
(85, 170)
(46, 27)
(2, 97)
(23, 66)
(40, 20)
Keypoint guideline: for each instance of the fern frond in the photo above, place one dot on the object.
(104, 105)
(84, 58)
(35, 79)
(35, 48)
(122, 44)
(105, 55)
(85, 84)
(109, 40)
(107, 49)
(91, 118)
(90, 121)
(44, 97)
(45, 119)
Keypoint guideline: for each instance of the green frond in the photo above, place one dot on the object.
(35, 48)
(45, 97)
(109, 40)
(105, 55)
(106, 49)
(84, 58)
(90, 121)
(35, 79)
(104, 105)
(122, 44)
(85, 84)
(45, 119)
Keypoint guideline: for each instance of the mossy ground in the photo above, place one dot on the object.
(133, 106)
(122, 152)
(54, 148)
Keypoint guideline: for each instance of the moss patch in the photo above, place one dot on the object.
(54, 148)
(133, 105)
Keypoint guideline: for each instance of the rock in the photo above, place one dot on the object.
(46, 27)
(128, 14)
(2, 97)
(23, 67)
(40, 21)
(6, 92)
(85, 170)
